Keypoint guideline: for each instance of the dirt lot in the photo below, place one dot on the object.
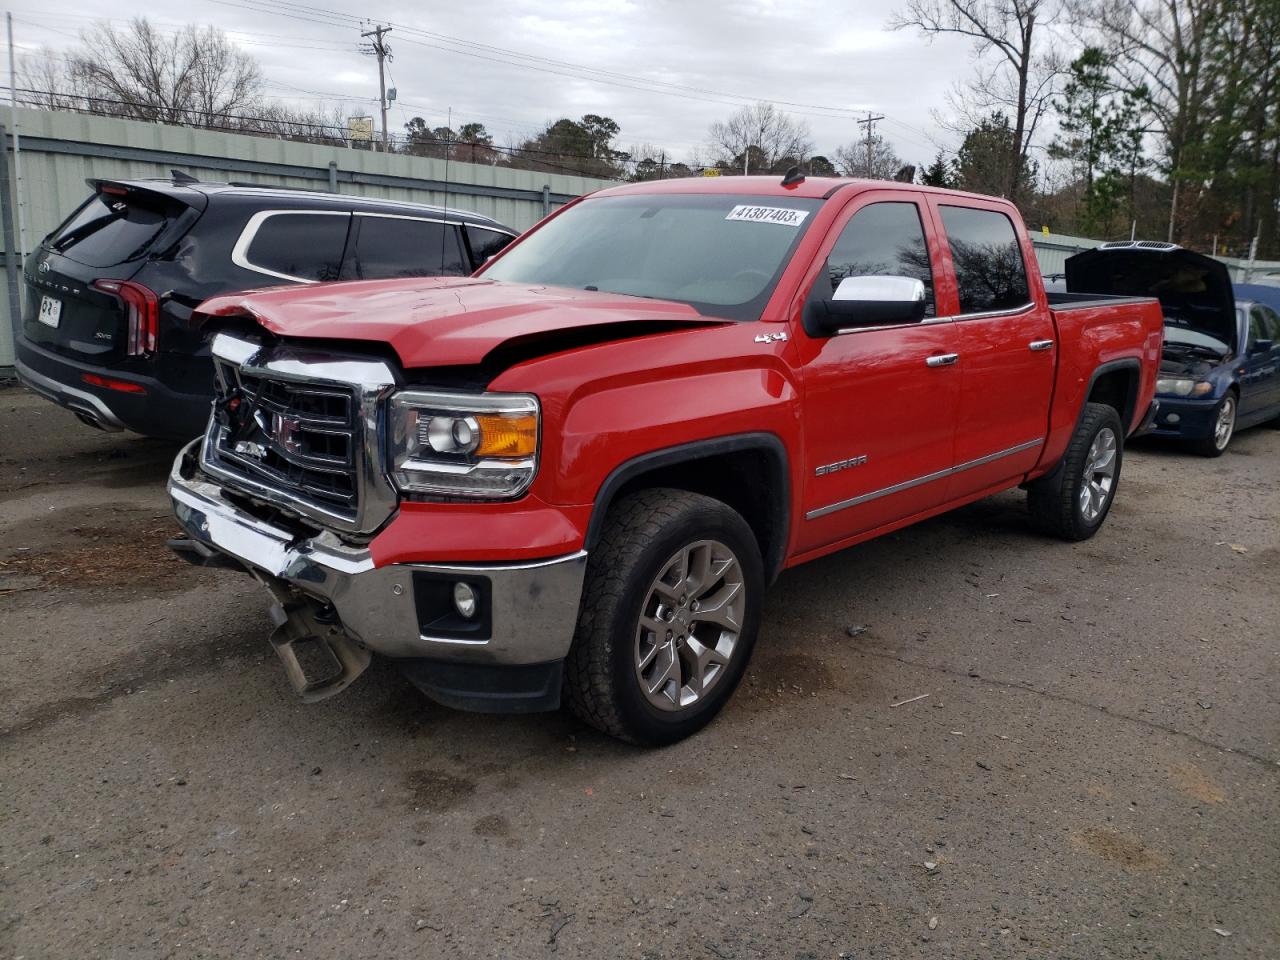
(1095, 771)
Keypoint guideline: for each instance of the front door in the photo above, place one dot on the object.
(880, 403)
(1260, 382)
(1007, 345)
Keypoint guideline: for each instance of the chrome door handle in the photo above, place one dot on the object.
(1040, 345)
(942, 360)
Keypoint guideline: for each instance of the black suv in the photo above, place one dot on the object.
(107, 328)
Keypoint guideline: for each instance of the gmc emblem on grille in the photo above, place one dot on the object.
(286, 432)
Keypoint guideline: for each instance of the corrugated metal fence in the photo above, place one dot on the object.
(61, 150)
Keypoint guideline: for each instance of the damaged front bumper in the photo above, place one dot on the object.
(506, 658)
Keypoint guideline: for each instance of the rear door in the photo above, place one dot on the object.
(879, 416)
(108, 237)
(1007, 345)
(1260, 382)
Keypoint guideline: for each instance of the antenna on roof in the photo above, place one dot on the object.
(793, 176)
(180, 176)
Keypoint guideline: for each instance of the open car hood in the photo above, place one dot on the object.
(449, 321)
(1194, 290)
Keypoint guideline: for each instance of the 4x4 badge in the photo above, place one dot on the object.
(770, 337)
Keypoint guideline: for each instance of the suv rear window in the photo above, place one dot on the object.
(298, 245)
(109, 229)
(988, 261)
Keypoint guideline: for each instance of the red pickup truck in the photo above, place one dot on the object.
(575, 472)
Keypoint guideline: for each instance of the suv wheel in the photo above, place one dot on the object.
(669, 616)
(1073, 500)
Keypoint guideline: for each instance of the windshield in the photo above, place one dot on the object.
(720, 254)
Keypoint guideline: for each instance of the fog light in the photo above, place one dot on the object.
(464, 599)
(1172, 418)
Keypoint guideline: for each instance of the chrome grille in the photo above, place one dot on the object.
(301, 430)
(291, 435)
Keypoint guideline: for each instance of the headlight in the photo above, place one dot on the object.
(481, 446)
(1183, 387)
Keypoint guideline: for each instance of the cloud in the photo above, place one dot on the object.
(713, 53)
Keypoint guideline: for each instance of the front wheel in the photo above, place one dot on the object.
(1073, 500)
(669, 616)
(1224, 428)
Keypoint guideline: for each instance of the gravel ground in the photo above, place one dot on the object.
(1092, 770)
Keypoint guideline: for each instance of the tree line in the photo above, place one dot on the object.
(1098, 117)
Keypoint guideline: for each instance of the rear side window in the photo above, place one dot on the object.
(110, 229)
(296, 245)
(988, 261)
(486, 243)
(883, 239)
(402, 247)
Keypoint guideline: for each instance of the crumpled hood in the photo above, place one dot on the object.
(447, 321)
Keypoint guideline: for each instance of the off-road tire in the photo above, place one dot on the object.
(641, 532)
(1054, 500)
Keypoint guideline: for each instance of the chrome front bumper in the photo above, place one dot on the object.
(533, 605)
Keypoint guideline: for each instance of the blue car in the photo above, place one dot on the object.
(1221, 366)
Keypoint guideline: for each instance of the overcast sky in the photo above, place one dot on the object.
(695, 61)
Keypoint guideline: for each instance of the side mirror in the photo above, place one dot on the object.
(1261, 346)
(873, 301)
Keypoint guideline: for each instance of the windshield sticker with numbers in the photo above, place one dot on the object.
(780, 215)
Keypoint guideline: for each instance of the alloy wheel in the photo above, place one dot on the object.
(1099, 477)
(689, 626)
(1226, 423)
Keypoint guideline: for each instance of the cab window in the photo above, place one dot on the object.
(883, 239)
(990, 274)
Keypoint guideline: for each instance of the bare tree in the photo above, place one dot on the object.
(1020, 74)
(43, 82)
(762, 137)
(851, 159)
(1165, 55)
(196, 77)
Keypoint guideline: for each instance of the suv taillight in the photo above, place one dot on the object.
(142, 308)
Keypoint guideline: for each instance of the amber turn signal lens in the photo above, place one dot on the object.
(507, 436)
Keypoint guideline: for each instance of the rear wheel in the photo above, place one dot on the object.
(1224, 428)
(669, 616)
(1073, 501)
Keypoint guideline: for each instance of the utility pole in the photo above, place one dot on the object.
(377, 47)
(870, 124)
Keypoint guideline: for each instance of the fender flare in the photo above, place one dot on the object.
(779, 484)
(1131, 400)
